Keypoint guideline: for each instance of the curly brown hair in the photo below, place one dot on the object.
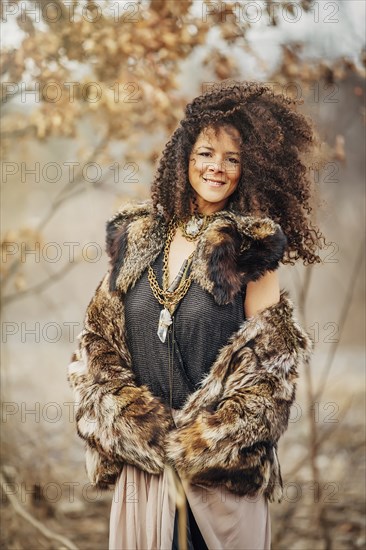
(274, 179)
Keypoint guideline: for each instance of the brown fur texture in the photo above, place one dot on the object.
(120, 422)
(233, 250)
(227, 431)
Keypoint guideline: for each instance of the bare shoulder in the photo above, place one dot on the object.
(262, 293)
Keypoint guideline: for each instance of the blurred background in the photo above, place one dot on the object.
(91, 91)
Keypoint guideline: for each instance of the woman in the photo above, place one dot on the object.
(187, 363)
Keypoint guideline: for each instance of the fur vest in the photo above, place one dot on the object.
(228, 430)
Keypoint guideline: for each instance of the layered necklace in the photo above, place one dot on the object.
(170, 295)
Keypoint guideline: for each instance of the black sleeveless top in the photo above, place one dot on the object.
(200, 328)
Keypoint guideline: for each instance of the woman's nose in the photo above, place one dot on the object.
(216, 166)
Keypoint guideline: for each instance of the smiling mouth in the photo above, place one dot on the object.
(214, 183)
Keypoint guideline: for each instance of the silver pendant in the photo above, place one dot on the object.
(165, 320)
(193, 226)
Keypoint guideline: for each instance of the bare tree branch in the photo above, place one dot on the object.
(322, 437)
(291, 510)
(40, 286)
(342, 319)
(71, 185)
(313, 429)
(19, 133)
(58, 201)
(47, 533)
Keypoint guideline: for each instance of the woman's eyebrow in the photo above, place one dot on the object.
(211, 148)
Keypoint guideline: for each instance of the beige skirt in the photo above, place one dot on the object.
(143, 512)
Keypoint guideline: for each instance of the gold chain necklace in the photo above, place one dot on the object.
(168, 298)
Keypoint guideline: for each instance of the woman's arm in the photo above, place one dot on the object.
(262, 293)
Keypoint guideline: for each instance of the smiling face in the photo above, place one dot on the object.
(214, 167)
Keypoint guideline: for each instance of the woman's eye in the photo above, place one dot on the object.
(232, 160)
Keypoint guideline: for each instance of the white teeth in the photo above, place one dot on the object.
(215, 183)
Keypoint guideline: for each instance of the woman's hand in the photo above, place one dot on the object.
(262, 293)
